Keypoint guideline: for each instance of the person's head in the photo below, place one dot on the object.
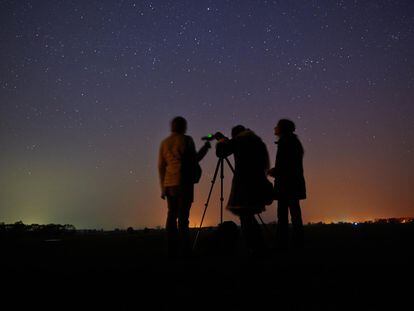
(237, 130)
(179, 125)
(284, 127)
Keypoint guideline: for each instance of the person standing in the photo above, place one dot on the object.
(289, 186)
(178, 171)
(247, 195)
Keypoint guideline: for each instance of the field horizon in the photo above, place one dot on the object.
(341, 266)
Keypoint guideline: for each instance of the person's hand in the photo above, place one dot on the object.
(163, 195)
(271, 172)
(207, 144)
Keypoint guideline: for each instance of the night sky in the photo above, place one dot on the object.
(87, 90)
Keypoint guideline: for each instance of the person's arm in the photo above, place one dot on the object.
(203, 151)
(275, 171)
(266, 158)
(284, 158)
(161, 170)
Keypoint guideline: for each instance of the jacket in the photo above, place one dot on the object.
(178, 159)
(251, 159)
(288, 171)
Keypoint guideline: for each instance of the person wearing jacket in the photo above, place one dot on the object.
(177, 165)
(289, 186)
(247, 196)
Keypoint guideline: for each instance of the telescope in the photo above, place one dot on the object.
(210, 137)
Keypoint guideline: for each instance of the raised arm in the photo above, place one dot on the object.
(203, 151)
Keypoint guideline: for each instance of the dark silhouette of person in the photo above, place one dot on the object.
(177, 165)
(246, 196)
(289, 187)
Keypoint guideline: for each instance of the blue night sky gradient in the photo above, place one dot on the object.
(87, 89)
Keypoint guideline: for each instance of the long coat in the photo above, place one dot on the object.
(251, 163)
(288, 171)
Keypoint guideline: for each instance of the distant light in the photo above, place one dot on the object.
(355, 224)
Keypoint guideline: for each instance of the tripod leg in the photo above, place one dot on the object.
(207, 202)
(261, 220)
(229, 164)
(221, 189)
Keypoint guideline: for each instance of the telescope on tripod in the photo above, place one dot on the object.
(219, 168)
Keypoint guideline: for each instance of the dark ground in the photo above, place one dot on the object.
(342, 267)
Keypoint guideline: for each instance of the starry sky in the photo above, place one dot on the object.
(87, 90)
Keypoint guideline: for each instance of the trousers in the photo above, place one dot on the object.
(179, 201)
(283, 208)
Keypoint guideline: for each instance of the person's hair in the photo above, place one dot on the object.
(286, 126)
(237, 130)
(179, 125)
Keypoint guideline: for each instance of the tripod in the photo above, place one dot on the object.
(219, 167)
